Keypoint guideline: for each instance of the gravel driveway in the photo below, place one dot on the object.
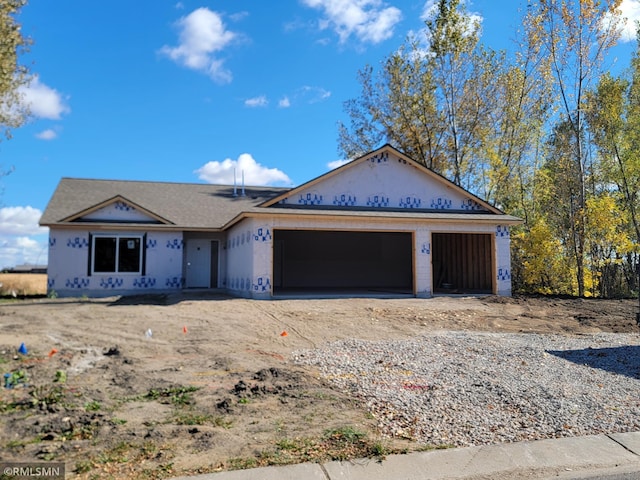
(462, 388)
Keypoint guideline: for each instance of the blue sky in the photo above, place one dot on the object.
(189, 91)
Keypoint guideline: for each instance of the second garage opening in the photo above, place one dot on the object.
(462, 263)
(305, 260)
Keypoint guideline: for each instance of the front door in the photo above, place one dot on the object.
(198, 259)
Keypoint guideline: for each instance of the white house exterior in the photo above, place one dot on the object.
(379, 225)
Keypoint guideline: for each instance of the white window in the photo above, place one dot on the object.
(117, 254)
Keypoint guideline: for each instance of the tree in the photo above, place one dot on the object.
(13, 111)
(541, 266)
(613, 116)
(460, 109)
(460, 79)
(561, 194)
(430, 101)
(398, 104)
(511, 147)
(575, 35)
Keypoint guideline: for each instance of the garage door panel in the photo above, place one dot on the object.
(325, 259)
(462, 262)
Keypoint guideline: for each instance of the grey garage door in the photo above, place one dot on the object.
(330, 260)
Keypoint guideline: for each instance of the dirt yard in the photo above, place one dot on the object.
(159, 386)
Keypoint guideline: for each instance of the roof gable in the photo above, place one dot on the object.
(117, 210)
(382, 179)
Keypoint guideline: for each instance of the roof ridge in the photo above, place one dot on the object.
(168, 182)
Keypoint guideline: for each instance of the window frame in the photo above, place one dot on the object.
(118, 237)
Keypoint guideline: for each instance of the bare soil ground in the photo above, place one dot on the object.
(158, 386)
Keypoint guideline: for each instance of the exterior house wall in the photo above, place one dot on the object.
(262, 248)
(383, 181)
(119, 212)
(69, 271)
(239, 258)
(503, 260)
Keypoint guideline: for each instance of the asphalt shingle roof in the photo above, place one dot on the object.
(193, 206)
(185, 205)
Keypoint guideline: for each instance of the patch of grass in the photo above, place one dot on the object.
(40, 396)
(281, 426)
(342, 443)
(378, 450)
(191, 418)
(79, 432)
(148, 449)
(21, 443)
(117, 454)
(222, 422)
(92, 406)
(176, 395)
(83, 466)
(242, 463)
(9, 407)
(44, 395)
(61, 376)
(118, 421)
(116, 461)
(15, 444)
(287, 444)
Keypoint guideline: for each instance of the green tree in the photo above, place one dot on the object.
(459, 73)
(575, 37)
(13, 111)
(613, 115)
(398, 104)
(511, 147)
(430, 98)
(457, 107)
(561, 196)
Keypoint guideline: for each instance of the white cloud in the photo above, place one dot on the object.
(337, 163)
(312, 94)
(254, 173)
(23, 251)
(44, 101)
(306, 94)
(630, 13)
(48, 134)
(370, 21)
(202, 35)
(284, 102)
(260, 101)
(18, 226)
(20, 221)
(236, 17)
